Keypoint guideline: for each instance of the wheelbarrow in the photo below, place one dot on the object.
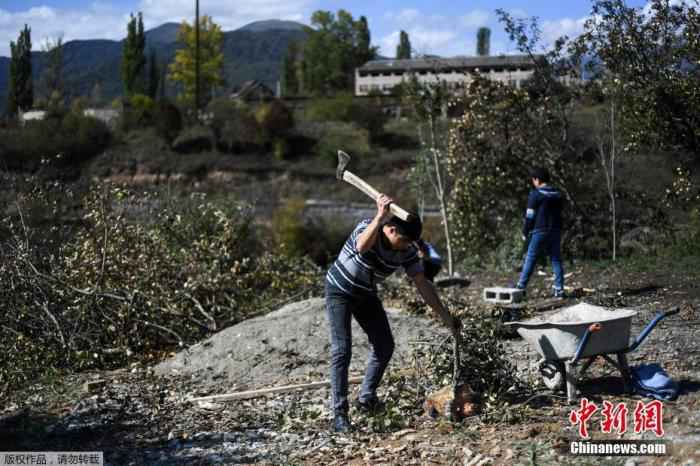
(581, 332)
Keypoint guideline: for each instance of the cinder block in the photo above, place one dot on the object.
(503, 295)
(94, 385)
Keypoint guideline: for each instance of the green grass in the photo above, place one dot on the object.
(668, 259)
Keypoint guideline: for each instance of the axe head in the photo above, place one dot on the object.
(343, 160)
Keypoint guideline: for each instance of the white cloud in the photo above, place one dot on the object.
(97, 21)
(105, 20)
(425, 40)
(228, 14)
(429, 41)
(434, 33)
(408, 15)
(552, 30)
(475, 19)
(388, 43)
(518, 13)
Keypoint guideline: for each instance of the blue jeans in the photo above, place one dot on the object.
(369, 313)
(544, 242)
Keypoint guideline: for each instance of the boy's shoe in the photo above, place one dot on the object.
(341, 424)
(369, 407)
(517, 286)
(559, 294)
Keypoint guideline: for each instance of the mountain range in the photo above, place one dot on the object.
(254, 51)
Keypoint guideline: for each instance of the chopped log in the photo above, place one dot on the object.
(452, 403)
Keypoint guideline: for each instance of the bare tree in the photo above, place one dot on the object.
(607, 154)
(428, 102)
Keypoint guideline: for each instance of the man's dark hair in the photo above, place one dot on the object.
(412, 229)
(540, 173)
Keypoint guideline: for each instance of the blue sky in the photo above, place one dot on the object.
(439, 27)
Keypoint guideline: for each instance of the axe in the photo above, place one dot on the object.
(342, 174)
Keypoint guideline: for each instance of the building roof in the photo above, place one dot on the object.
(429, 64)
(252, 90)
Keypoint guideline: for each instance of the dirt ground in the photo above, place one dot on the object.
(142, 414)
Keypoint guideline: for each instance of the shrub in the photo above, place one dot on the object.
(288, 228)
(280, 149)
(167, 120)
(274, 119)
(292, 229)
(78, 105)
(346, 108)
(139, 276)
(194, 139)
(235, 126)
(138, 112)
(65, 141)
(687, 241)
(223, 109)
(343, 136)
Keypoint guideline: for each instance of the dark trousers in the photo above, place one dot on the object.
(369, 313)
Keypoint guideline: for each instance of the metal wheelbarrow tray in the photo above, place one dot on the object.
(565, 337)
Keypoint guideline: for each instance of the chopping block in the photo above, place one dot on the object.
(454, 403)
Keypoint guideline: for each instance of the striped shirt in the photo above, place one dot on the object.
(358, 273)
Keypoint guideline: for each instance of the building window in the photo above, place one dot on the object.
(363, 88)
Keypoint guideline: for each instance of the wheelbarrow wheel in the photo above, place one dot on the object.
(553, 374)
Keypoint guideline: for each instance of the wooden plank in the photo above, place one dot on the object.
(270, 391)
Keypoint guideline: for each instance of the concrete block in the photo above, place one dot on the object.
(92, 386)
(503, 295)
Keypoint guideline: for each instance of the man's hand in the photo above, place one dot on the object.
(383, 203)
(368, 238)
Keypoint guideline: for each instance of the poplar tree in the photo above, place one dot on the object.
(133, 57)
(21, 91)
(483, 42)
(403, 50)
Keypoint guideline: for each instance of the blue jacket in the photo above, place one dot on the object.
(543, 210)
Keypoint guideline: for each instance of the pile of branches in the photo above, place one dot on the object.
(484, 364)
(136, 277)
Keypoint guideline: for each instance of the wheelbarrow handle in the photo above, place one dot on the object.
(584, 341)
(650, 326)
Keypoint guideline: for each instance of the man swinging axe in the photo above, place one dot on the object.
(375, 249)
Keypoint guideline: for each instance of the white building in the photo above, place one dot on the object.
(384, 75)
(31, 115)
(107, 115)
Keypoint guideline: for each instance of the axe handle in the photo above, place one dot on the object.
(366, 188)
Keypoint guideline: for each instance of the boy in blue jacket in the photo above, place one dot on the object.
(543, 227)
